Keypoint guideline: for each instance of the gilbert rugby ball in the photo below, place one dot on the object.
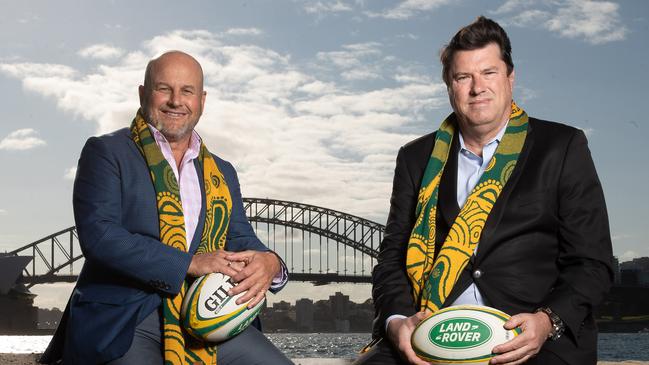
(463, 334)
(210, 314)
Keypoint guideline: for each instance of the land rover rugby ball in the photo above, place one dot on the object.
(461, 335)
(210, 314)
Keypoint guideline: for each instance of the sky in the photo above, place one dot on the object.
(310, 100)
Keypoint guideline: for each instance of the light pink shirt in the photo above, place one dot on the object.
(190, 189)
(191, 195)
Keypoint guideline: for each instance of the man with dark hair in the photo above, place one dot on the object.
(494, 208)
(154, 209)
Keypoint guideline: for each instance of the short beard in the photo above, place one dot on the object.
(175, 135)
(170, 136)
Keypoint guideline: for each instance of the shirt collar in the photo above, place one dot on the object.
(496, 139)
(194, 142)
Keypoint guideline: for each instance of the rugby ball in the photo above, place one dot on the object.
(210, 314)
(463, 334)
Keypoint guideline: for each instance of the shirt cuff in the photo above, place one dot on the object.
(280, 278)
(394, 316)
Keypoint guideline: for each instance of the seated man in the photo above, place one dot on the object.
(154, 208)
(494, 208)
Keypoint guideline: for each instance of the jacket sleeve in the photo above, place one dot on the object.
(585, 253)
(392, 293)
(97, 202)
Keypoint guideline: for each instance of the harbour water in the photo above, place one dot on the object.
(612, 346)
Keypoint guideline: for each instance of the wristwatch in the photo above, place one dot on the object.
(557, 324)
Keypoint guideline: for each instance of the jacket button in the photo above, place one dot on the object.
(477, 274)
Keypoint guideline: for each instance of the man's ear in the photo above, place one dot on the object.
(511, 78)
(141, 91)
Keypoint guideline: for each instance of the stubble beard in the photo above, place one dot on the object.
(171, 134)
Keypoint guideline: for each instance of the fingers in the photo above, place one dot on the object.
(420, 316)
(243, 256)
(253, 271)
(514, 322)
(253, 281)
(410, 355)
(253, 292)
(399, 332)
(527, 344)
(256, 299)
(515, 357)
(211, 262)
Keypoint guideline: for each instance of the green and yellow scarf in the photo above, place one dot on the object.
(432, 281)
(179, 347)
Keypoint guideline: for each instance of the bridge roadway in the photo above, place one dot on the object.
(318, 245)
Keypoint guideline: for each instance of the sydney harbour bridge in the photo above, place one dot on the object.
(318, 245)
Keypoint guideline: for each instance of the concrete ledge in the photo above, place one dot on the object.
(320, 361)
(30, 359)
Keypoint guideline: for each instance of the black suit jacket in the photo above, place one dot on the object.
(546, 241)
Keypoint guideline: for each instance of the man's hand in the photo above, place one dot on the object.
(210, 262)
(256, 276)
(536, 328)
(399, 332)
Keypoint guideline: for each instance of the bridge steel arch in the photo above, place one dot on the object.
(55, 256)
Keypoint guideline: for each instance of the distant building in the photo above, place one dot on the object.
(339, 305)
(616, 271)
(16, 301)
(635, 272)
(304, 315)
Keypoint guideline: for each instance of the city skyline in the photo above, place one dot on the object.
(310, 100)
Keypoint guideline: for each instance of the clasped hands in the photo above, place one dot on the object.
(253, 271)
(535, 330)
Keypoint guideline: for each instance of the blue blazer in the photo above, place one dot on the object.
(127, 270)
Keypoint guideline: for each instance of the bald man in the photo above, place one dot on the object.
(154, 209)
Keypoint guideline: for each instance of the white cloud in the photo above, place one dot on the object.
(292, 132)
(101, 52)
(409, 8)
(36, 70)
(244, 31)
(361, 74)
(595, 22)
(529, 17)
(512, 5)
(359, 61)
(21, 139)
(321, 7)
(3, 212)
(70, 173)
(628, 256)
(352, 55)
(408, 36)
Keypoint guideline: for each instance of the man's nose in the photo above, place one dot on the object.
(174, 99)
(477, 86)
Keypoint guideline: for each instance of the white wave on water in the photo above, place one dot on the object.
(23, 344)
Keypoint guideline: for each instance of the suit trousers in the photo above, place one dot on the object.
(384, 353)
(250, 347)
